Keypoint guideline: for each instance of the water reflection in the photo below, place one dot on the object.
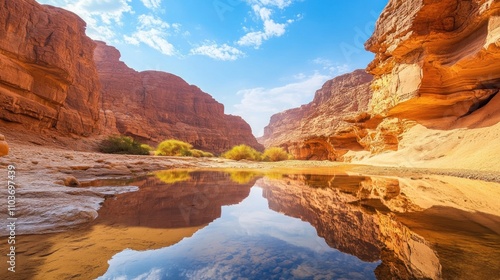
(216, 225)
(249, 241)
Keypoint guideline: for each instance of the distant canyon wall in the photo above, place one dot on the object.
(154, 106)
(437, 63)
(322, 129)
(52, 83)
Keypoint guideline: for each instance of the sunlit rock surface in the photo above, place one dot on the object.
(435, 59)
(155, 106)
(48, 80)
(322, 129)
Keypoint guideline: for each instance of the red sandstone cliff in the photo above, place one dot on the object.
(47, 73)
(50, 85)
(155, 106)
(322, 128)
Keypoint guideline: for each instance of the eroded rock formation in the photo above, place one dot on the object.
(48, 77)
(436, 61)
(437, 64)
(156, 106)
(323, 128)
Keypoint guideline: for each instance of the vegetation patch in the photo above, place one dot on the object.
(179, 148)
(119, 144)
(242, 152)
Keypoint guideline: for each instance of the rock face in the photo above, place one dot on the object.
(436, 61)
(323, 129)
(4, 147)
(154, 106)
(48, 77)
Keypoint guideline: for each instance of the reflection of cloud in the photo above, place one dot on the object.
(267, 222)
(257, 105)
(248, 241)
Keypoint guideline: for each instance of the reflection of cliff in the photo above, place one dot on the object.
(184, 204)
(343, 213)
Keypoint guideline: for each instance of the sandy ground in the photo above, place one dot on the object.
(476, 149)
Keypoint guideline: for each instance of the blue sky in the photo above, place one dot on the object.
(257, 57)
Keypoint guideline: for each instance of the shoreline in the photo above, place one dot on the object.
(46, 205)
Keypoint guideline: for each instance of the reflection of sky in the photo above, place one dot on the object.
(249, 241)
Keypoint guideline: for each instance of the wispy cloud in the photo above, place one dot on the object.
(151, 4)
(270, 27)
(332, 68)
(153, 32)
(257, 105)
(272, 3)
(219, 52)
(100, 15)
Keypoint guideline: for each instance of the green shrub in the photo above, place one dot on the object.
(119, 144)
(179, 148)
(275, 154)
(242, 152)
(174, 147)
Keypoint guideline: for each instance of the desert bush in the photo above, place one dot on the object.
(174, 147)
(242, 152)
(275, 154)
(179, 148)
(119, 144)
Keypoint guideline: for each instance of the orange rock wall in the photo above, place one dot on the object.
(435, 61)
(323, 129)
(47, 73)
(155, 106)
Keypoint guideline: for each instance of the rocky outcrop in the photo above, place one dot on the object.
(323, 128)
(4, 147)
(154, 106)
(436, 62)
(48, 78)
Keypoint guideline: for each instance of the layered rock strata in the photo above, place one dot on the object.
(323, 128)
(48, 78)
(154, 106)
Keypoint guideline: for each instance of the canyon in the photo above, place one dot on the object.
(433, 98)
(58, 85)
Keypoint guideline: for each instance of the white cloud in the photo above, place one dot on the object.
(100, 15)
(153, 32)
(281, 4)
(257, 105)
(270, 27)
(333, 69)
(222, 52)
(151, 4)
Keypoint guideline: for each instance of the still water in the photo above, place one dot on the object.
(245, 225)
